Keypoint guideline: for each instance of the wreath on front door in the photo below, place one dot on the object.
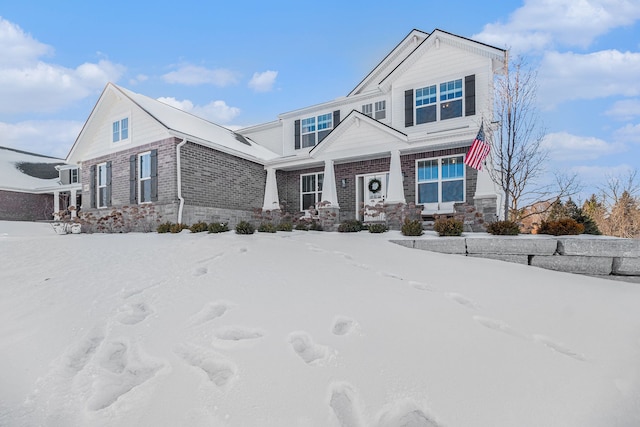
(375, 185)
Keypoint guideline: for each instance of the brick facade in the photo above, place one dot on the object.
(289, 181)
(16, 206)
(216, 186)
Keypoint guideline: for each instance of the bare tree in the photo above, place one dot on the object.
(518, 158)
(620, 201)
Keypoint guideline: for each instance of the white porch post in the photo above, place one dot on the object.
(72, 202)
(395, 192)
(56, 204)
(271, 201)
(329, 192)
(486, 196)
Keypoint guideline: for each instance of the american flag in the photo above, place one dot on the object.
(478, 152)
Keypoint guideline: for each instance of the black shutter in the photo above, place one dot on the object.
(470, 95)
(296, 133)
(154, 175)
(92, 189)
(408, 108)
(132, 178)
(108, 183)
(336, 118)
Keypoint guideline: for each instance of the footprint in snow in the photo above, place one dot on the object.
(558, 347)
(462, 300)
(421, 286)
(200, 271)
(497, 325)
(210, 311)
(391, 275)
(406, 414)
(343, 325)
(344, 405)
(78, 355)
(125, 368)
(343, 255)
(237, 333)
(218, 369)
(211, 258)
(310, 352)
(133, 314)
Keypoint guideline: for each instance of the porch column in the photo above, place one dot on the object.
(56, 204)
(271, 201)
(72, 202)
(329, 193)
(485, 199)
(395, 192)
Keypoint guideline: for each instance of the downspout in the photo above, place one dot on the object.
(179, 175)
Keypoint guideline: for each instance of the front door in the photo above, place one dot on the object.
(375, 193)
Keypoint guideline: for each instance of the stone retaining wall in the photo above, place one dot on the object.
(593, 255)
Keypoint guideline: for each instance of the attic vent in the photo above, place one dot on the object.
(39, 170)
(242, 139)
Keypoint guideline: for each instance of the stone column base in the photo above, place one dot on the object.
(329, 217)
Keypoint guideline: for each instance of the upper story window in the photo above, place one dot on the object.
(314, 129)
(367, 110)
(440, 102)
(120, 130)
(380, 110)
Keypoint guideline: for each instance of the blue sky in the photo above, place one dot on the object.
(243, 63)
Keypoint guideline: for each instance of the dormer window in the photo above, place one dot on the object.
(367, 110)
(311, 130)
(74, 176)
(381, 110)
(120, 130)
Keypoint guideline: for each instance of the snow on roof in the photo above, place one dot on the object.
(23, 171)
(204, 131)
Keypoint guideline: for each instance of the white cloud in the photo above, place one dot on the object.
(215, 111)
(566, 76)
(49, 137)
(541, 24)
(263, 82)
(625, 109)
(28, 84)
(193, 75)
(628, 133)
(593, 177)
(565, 146)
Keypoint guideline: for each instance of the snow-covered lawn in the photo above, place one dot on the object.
(303, 329)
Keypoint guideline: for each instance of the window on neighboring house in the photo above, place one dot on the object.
(144, 177)
(102, 186)
(380, 110)
(310, 190)
(426, 104)
(441, 180)
(367, 109)
(451, 99)
(120, 130)
(74, 176)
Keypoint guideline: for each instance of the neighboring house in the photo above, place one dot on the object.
(30, 187)
(399, 137)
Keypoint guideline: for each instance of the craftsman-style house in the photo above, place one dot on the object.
(398, 138)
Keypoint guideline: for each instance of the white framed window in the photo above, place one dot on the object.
(144, 177)
(440, 182)
(380, 110)
(101, 186)
(438, 102)
(310, 190)
(367, 109)
(120, 130)
(74, 176)
(314, 129)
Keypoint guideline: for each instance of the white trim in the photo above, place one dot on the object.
(98, 198)
(315, 192)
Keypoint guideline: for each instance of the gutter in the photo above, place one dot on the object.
(179, 183)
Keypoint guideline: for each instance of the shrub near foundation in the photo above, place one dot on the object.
(448, 227)
(245, 227)
(412, 228)
(350, 226)
(199, 227)
(218, 227)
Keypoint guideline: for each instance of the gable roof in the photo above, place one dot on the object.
(186, 125)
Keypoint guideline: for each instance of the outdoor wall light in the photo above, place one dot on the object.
(343, 182)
